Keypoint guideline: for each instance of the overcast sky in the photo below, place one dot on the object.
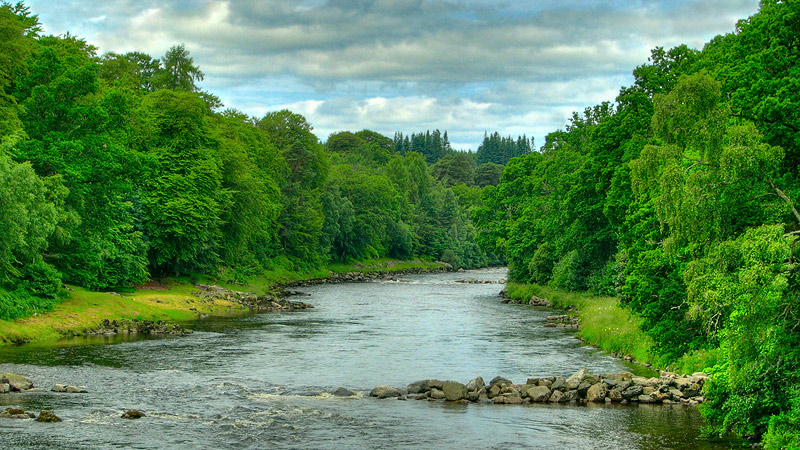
(465, 66)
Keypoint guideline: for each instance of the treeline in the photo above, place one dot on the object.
(117, 168)
(681, 198)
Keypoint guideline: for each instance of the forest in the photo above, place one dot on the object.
(118, 168)
(680, 198)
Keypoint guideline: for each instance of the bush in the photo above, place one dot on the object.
(568, 273)
(41, 280)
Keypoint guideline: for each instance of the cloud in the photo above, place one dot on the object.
(409, 65)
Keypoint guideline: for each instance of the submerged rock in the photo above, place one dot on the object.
(47, 416)
(133, 414)
(343, 392)
(16, 413)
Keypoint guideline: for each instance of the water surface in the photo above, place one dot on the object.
(262, 381)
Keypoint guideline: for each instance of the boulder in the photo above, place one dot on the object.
(556, 397)
(631, 392)
(583, 388)
(475, 384)
(437, 394)
(47, 416)
(384, 391)
(4, 388)
(692, 391)
(558, 383)
(675, 394)
(133, 414)
(498, 380)
(16, 413)
(16, 382)
(494, 391)
(576, 378)
(532, 381)
(343, 392)
(569, 396)
(596, 393)
(645, 399)
(453, 390)
(507, 399)
(615, 395)
(538, 394)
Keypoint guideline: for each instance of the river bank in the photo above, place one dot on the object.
(608, 326)
(161, 306)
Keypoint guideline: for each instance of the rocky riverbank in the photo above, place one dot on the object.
(249, 300)
(581, 387)
(373, 275)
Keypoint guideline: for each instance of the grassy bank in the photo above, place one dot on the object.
(605, 324)
(171, 300)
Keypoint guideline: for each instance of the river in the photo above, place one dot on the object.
(261, 381)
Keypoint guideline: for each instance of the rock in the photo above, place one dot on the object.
(558, 383)
(556, 397)
(583, 388)
(576, 378)
(16, 413)
(631, 392)
(494, 391)
(569, 396)
(615, 395)
(538, 394)
(609, 382)
(384, 391)
(437, 394)
(453, 390)
(60, 388)
(75, 390)
(645, 399)
(343, 392)
(500, 381)
(133, 414)
(47, 416)
(676, 394)
(508, 399)
(16, 382)
(475, 384)
(538, 301)
(4, 388)
(596, 393)
(692, 391)
(427, 385)
(533, 381)
(545, 382)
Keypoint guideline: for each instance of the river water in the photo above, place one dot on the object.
(261, 381)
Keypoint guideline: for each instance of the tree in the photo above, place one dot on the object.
(178, 72)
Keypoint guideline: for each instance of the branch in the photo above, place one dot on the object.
(783, 197)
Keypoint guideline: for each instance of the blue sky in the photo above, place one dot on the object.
(465, 66)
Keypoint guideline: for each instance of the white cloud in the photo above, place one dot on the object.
(408, 65)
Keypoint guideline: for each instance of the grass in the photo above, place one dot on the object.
(84, 310)
(607, 325)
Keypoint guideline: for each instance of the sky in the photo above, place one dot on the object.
(464, 66)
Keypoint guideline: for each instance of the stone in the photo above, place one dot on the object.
(507, 399)
(574, 380)
(570, 396)
(16, 382)
(76, 390)
(453, 390)
(437, 394)
(532, 381)
(645, 399)
(133, 414)
(675, 394)
(692, 391)
(609, 382)
(60, 388)
(545, 382)
(384, 391)
(494, 391)
(16, 413)
(415, 388)
(538, 394)
(584, 386)
(475, 384)
(500, 381)
(615, 395)
(47, 416)
(596, 393)
(5, 388)
(632, 392)
(556, 397)
(343, 392)
(558, 383)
